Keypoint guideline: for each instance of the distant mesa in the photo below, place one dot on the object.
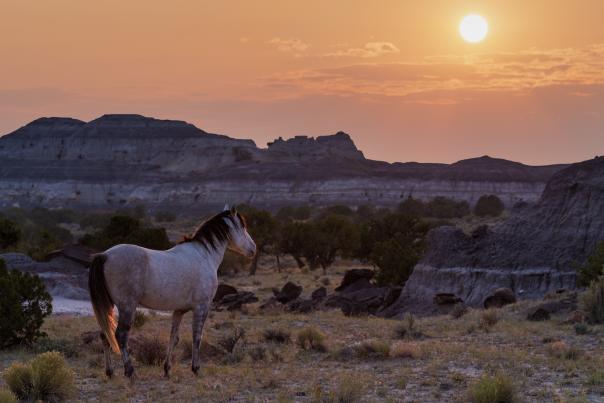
(127, 159)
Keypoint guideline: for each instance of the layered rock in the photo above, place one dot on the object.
(131, 159)
(535, 252)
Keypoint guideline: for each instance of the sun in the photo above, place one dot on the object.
(473, 28)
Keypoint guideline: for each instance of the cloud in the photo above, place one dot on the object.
(289, 45)
(508, 72)
(371, 49)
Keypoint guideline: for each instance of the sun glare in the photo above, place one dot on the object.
(473, 28)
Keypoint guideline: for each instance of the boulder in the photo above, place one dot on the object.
(357, 277)
(222, 290)
(500, 297)
(565, 304)
(289, 292)
(319, 294)
(302, 305)
(234, 302)
(538, 314)
(445, 298)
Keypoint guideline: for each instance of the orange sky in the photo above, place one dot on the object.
(393, 74)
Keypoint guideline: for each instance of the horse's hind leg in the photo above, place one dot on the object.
(200, 314)
(124, 324)
(107, 354)
(176, 318)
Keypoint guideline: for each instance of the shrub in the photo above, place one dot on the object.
(497, 389)
(24, 303)
(149, 350)
(64, 346)
(488, 319)
(407, 329)
(458, 310)
(593, 268)
(372, 349)
(46, 377)
(349, 390)
(581, 328)
(7, 396)
(592, 301)
(229, 341)
(489, 205)
(140, 318)
(277, 335)
(443, 207)
(165, 216)
(311, 339)
(405, 350)
(9, 233)
(560, 349)
(126, 229)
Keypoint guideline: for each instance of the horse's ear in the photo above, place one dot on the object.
(226, 207)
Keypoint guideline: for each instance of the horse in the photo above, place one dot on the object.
(181, 279)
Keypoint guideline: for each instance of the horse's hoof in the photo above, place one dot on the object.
(166, 370)
(129, 371)
(195, 370)
(109, 372)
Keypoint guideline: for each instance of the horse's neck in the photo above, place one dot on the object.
(212, 256)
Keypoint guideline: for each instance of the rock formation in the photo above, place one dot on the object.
(119, 160)
(534, 252)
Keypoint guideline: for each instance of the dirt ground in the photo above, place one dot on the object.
(363, 359)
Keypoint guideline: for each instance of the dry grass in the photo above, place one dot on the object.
(440, 366)
(311, 339)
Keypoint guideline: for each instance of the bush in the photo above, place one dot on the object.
(63, 346)
(229, 341)
(46, 378)
(443, 207)
(24, 303)
(9, 233)
(349, 390)
(140, 318)
(407, 328)
(581, 328)
(165, 216)
(592, 301)
(372, 349)
(7, 396)
(593, 268)
(560, 349)
(497, 389)
(280, 336)
(458, 310)
(489, 205)
(126, 229)
(405, 350)
(149, 350)
(488, 319)
(311, 339)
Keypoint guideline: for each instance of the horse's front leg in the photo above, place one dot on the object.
(124, 324)
(200, 314)
(176, 318)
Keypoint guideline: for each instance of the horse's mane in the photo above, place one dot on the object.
(215, 230)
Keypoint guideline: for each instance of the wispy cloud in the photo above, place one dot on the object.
(482, 72)
(371, 49)
(293, 45)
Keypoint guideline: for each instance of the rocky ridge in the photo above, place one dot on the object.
(118, 160)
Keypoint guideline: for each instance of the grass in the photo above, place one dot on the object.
(493, 389)
(46, 377)
(311, 339)
(439, 366)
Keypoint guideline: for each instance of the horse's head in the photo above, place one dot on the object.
(240, 240)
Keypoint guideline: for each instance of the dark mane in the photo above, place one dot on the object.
(214, 230)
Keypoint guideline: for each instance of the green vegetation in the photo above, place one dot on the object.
(593, 268)
(6, 396)
(592, 301)
(127, 229)
(24, 303)
(311, 338)
(439, 207)
(9, 233)
(493, 389)
(489, 205)
(47, 377)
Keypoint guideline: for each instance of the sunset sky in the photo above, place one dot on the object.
(395, 75)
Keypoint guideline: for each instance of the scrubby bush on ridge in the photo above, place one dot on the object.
(24, 303)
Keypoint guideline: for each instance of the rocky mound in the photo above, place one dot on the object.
(534, 252)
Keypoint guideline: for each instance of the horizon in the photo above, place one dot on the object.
(313, 136)
(399, 77)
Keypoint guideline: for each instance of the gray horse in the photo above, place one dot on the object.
(180, 279)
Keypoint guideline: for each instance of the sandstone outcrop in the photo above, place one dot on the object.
(533, 253)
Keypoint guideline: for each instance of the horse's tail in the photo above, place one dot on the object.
(101, 300)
